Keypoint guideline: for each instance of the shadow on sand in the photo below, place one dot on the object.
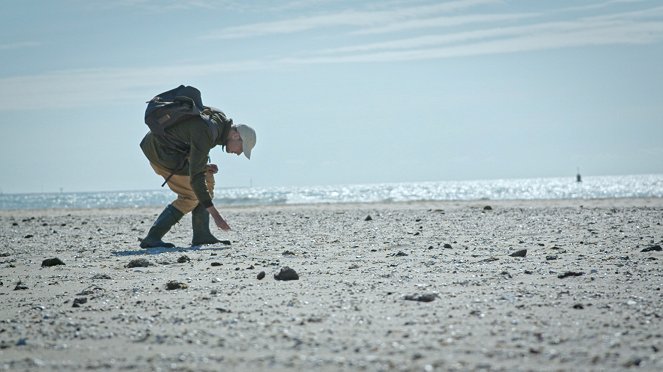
(160, 250)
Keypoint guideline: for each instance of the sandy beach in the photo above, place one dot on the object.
(429, 286)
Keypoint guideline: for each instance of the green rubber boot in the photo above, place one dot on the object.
(169, 217)
(200, 224)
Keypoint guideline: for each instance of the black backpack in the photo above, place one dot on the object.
(177, 105)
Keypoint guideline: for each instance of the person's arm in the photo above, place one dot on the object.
(218, 219)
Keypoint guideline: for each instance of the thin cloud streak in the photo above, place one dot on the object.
(563, 28)
(345, 18)
(83, 88)
(616, 34)
(19, 45)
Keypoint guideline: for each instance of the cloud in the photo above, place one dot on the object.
(88, 87)
(480, 34)
(355, 18)
(19, 45)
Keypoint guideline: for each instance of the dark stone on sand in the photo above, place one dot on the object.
(183, 259)
(101, 276)
(428, 297)
(520, 253)
(368, 218)
(174, 284)
(578, 306)
(569, 273)
(20, 286)
(261, 275)
(488, 208)
(654, 248)
(79, 301)
(5, 254)
(28, 236)
(51, 262)
(139, 262)
(551, 258)
(400, 254)
(288, 253)
(222, 310)
(216, 263)
(286, 273)
(447, 245)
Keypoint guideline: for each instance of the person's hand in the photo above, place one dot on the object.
(213, 168)
(218, 219)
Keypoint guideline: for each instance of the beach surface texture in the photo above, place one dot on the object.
(427, 286)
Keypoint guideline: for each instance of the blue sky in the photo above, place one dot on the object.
(339, 91)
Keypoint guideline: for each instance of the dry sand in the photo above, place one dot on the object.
(355, 304)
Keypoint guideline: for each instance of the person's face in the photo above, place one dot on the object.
(234, 145)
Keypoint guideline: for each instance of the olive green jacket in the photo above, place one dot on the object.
(192, 159)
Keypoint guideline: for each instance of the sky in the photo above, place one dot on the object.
(339, 92)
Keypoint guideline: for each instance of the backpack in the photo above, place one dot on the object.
(176, 105)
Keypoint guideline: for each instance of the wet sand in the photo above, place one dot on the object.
(417, 286)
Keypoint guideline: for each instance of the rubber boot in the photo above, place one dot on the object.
(169, 217)
(200, 224)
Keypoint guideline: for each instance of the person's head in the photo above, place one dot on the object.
(241, 139)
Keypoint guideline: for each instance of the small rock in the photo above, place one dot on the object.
(28, 236)
(654, 248)
(288, 253)
(287, 273)
(447, 245)
(428, 297)
(520, 253)
(183, 259)
(222, 310)
(551, 258)
(578, 306)
(216, 264)
(569, 273)
(79, 301)
(51, 262)
(174, 284)
(261, 275)
(139, 262)
(101, 276)
(400, 254)
(368, 218)
(20, 286)
(488, 208)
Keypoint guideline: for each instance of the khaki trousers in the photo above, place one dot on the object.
(181, 185)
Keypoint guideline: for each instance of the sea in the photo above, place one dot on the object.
(597, 187)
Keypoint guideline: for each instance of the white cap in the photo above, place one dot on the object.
(248, 138)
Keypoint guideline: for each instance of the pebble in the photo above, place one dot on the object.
(101, 276)
(261, 275)
(216, 264)
(368, 218)
(20, 286)
(520, 253)
(79, 301)
(569, 273)
(51, 262)
(183, 259)
(488, 208)
(139, 262)
(447, 245)
(174, 284)
(428, 297)
(286, 273)
(654, 248)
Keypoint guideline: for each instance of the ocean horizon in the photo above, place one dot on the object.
(592, 187)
